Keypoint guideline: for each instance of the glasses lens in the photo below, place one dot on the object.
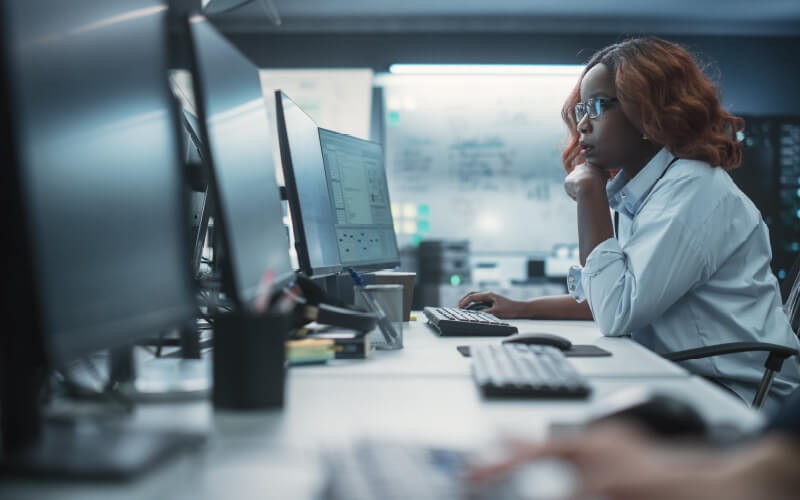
(596, 107)
(580, 111)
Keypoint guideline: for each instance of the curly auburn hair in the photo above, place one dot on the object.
(669, 99)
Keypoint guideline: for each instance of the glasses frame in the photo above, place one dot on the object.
(593, 107)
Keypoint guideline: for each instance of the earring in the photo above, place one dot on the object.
(644, 137)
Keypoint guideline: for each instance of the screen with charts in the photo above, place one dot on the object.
(360, 197)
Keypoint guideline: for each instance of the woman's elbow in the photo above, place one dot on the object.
(612, 327)
(614, 320)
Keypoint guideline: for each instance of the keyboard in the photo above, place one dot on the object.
(526, 371)
(452, 321)
(372, 469)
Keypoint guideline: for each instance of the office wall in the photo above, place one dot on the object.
(758, 73)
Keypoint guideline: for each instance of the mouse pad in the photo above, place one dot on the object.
(577, 351)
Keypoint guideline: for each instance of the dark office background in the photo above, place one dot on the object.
(758, 75)
(751, 57)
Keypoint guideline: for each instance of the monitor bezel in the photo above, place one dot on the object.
(229, 282)
(293, 196)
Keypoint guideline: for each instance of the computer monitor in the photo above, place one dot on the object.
(313, 217)
(94, 197)
(235, 134)
(193, 145)
(198, 180)
(360, 195)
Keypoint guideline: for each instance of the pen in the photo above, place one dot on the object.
(383, 321)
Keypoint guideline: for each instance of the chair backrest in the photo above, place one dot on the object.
(790, 293)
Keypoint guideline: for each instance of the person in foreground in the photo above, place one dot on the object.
(616, 461)
(686, 262)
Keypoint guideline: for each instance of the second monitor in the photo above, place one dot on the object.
(359, 195)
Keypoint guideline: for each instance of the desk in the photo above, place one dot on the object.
(423, 393)
(430, 355)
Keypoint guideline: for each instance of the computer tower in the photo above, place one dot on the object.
(769, 176)
(440, 263)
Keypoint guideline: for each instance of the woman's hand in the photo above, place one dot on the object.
(585, 176)
(622, 463)
(502, 307)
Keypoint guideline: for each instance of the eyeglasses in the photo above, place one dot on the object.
(593, 107)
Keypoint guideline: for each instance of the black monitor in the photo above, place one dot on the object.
(313, 218)
(94, 196)
(193, 145)
(236, 135)
(360, 195)
(198, 180)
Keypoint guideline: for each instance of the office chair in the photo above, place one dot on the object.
(790, 293)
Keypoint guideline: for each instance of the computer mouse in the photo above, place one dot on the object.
(478, 306)
(662, 414)
(539, 338)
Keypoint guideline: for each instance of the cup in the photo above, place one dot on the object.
(407, 279)
(249, 360)
(390, 298)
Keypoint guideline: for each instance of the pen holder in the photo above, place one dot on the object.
(390, 298)
(250, 360)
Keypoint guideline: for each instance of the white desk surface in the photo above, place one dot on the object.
(423, 393)
(426, 353)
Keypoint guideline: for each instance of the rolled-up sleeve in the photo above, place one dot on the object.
(629, 285)
(575, 284)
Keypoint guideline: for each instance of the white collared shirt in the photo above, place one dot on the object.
(690, 269)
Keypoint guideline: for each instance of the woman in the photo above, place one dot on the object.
(689, 265)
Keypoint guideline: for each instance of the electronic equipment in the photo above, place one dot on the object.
(526, 371)
(440, 264)
(370, 469)
(452, 321)
(768, 175)
(94, 195)
(235, 138)
(310, 206)
(198, 180)
(478, 306)
(540, 338)
(359, 193)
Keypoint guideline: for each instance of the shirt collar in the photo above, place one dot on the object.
(626, 195)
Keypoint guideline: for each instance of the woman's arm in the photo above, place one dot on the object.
(586, 184)
(547, 307)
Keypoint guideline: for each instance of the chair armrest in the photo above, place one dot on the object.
(776, 351)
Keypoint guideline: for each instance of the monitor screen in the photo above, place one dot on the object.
(313, 218)
(96, 151)
(360, 196)
(233, 122)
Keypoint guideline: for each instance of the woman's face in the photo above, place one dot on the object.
(610, 140)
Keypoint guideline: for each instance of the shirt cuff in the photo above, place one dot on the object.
(575, 284)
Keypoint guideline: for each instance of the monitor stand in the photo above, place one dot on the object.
(84, 450)
(106, 448)
(343, 286)
(136, 376)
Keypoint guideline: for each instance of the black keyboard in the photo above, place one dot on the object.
(526, 371)
(452, 321)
